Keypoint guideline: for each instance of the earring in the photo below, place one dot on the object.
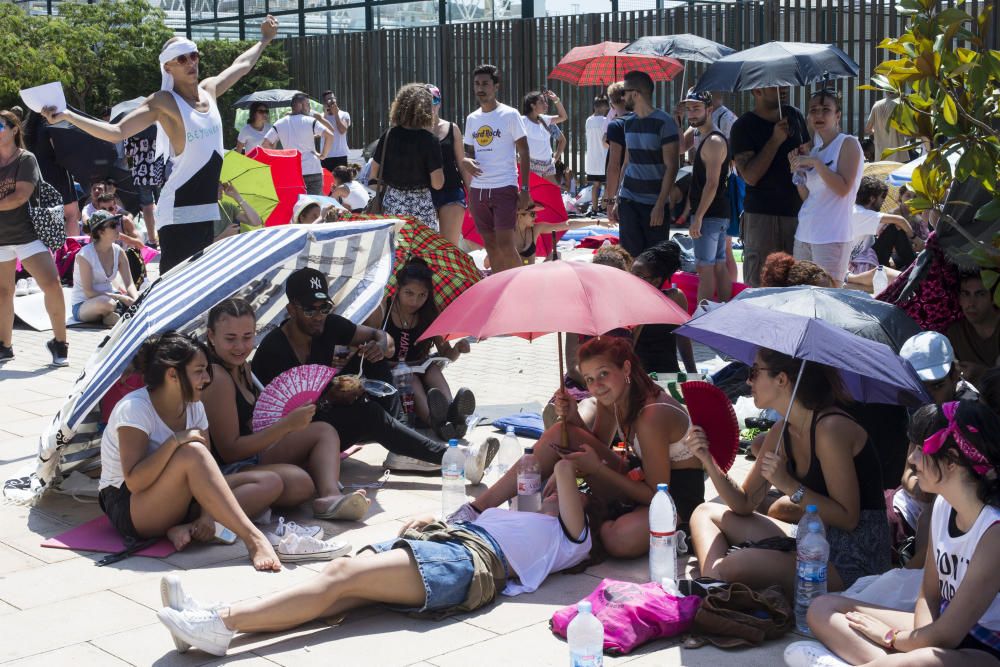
(628, 379)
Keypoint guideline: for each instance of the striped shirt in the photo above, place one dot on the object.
(644, 141)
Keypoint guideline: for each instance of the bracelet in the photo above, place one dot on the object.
(890, 638)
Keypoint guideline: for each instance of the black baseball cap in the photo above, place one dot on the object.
(307, 286)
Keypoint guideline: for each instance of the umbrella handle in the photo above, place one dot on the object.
(795, 390)
(777, 91)
(564, 434)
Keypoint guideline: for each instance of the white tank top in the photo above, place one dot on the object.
(191, 193)
(952, 556)
(102, 282)
(825, 217)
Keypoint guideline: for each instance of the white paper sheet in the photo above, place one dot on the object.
(45, 95)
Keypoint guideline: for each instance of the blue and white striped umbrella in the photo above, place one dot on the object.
(357, 258)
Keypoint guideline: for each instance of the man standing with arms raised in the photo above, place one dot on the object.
(190, 132)
(496, 143)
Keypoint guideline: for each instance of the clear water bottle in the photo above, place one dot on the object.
(810, 571)
(706, 375)
(812, 514)
(510, 452)
(585, 636)
(662, 535)
(402, 377)
(452, 478)
(529, 483)
(879, 280)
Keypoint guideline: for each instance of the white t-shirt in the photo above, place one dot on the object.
(136, 410)
(357, 197)
(251, 137)
(864, 221)
(535, 545)
(825, 216)
(492, 135)
(299, 132)
(597, 152)
(539, 137)
(339, 148)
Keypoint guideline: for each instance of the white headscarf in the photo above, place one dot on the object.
(178, 47)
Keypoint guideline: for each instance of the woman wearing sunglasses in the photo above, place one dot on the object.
(528, 229)
(102, 281)
(253, 133)
(817, 455)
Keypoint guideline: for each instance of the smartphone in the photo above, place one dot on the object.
(223, 535)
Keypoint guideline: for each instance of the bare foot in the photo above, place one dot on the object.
(203, 528)
(180, 536)
(262, 553)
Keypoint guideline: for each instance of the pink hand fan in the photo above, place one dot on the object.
(710, 409)
(292, 389)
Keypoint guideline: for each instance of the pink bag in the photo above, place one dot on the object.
(633, 614)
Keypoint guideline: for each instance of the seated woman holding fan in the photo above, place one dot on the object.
(157, 476)
(824, 458)
(628, 409)
(304, 453)
(405, 316)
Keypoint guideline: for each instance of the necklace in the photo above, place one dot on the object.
(404, 322)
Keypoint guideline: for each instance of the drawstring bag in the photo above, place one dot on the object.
(736, 615)
(46, 211)
(633, 614)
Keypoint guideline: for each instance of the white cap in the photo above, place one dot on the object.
(931, 355)
(303, 202)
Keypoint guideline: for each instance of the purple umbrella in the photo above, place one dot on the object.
(871, 371)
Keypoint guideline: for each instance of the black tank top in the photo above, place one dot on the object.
(720, 203)
(452, 176)
(244, 410)
(407, 348)
(866, 465)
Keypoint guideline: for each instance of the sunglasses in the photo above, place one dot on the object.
(185, 57)
(755, 370)
(436, 101)
(325, 309)
(4, 127)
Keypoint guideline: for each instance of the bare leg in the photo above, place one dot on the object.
(149, 218)
(297, 485)
(734, 272)
(317, 449)
(595, 194)
(255, 490)
(723, 285)
(43, 268)
(828, 621)
(94, 309)
(450, 217)
(714, 528)
(433, 378)
(7, 273)
(390, 577)
(706, 282)
(191, 472)
(628, 535)
(420, 399)
(71, 213)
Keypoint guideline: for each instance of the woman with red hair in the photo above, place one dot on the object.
(631, 411)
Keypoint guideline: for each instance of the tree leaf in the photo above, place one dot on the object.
(949, 109)
(989, 212)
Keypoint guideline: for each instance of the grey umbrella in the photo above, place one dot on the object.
(126, 107)
(684, 47)
(276, 97)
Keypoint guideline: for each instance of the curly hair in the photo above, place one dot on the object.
(783, 270)
(413, 107)
(869, 189)
(614, 256)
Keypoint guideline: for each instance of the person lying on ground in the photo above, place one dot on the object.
(304, 453)
(102, 281)
(627, 407)
(405, 316)
(825, 459)
(432, 568)
(957, 616)
(156, 463)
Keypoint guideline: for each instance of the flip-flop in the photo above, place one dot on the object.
(351, 507)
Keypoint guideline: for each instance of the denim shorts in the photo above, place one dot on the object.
(147, 194)
(710, 247)
(442, 198)
(75, 309)
(237, 466)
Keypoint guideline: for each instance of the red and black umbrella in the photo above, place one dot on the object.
(603, 64)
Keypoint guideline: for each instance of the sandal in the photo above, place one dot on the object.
(350, 507)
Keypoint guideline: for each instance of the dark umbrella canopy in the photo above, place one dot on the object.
(685, 46)
(276, 97)
(777, 64)
(852, 311)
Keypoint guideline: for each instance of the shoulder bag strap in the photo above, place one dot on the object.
(381, 161)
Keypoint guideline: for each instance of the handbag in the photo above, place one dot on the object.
(736, 615)
(374, 206)
(46, 211)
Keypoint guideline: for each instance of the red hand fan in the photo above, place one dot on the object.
(292, 389)
(710, 409)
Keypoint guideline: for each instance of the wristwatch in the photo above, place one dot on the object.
(799, 493)
(525, 188)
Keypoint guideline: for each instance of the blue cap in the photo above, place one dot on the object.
(811, 508)
(663, 487)
(453, 442)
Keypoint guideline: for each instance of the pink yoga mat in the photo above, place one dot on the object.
(100, 535)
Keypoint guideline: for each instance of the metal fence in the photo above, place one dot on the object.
(366, 69)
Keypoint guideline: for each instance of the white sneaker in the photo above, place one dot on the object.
(33, 287)
(199, 628)
(21, 287)
(294, 548)
(398, 462)
(478, 459)
(811, 654)
(172, 596)
(290, 527)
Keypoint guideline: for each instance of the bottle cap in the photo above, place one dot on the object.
(584, 607)
(811, 508)
(453, 442)
(663, 487)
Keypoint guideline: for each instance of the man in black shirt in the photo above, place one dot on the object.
(761, 141)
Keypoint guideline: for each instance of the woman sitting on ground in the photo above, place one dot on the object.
(155, 458)
(432, 568)
(348, 191)
(782, 270)
(825, 459)
(410, 311)
(626, 407)
(99, 265)
(290, 446)
(957, 616)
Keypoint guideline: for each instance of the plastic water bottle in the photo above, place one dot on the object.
(812, 514)
(706, 375)
(662, 535)
(529, 483)
(879, 280)
(510, 452)
(402, 377)
(810, 571)
(585, 636)
(452, 479)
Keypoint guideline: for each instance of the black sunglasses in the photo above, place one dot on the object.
(325, 309)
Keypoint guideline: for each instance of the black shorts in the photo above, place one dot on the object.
(116, 502)
(597, 178)
(178, 242)
(971, 642)
(329, 163)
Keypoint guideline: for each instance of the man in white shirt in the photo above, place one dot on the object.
(299, 131)
(495, 144)
(340, 121)
(596, 157)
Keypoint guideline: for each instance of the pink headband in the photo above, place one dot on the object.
(934, 443)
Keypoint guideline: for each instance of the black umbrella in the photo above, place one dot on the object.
(849, 310)
(682, 47)
(777, 64)
(276, 97)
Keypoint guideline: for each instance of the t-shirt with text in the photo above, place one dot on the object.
(492, 136)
